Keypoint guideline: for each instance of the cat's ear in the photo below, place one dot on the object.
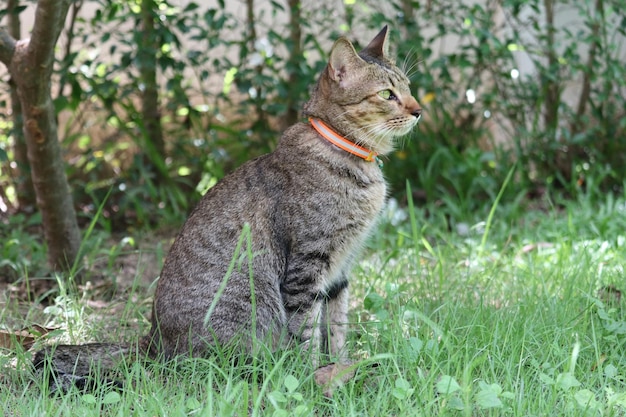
(378, 47)
(343, 62)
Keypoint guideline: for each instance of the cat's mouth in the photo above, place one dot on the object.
(403, 125)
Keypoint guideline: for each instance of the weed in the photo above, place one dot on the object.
(524, 317)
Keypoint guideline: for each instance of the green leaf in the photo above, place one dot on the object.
(447, 385)
(488, 397)
(373, 302)
(111, 398)
(415, 346)
(229, 78)
(191, 7)
(403, 384)
(403, 389)
(277, 397)
(456, 403)
(617, 399)
(53, 310)
(566, 380)
(301, 410)
(88, 399)
(490, 387)
(586, 399)
(291, 383)
(508, 395)
(546, 379)
(192, 403)
(610, 371)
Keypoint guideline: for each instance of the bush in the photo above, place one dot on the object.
(483, 111)
(562, 123)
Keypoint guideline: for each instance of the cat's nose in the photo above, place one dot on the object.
(417, 112)
(414, 108)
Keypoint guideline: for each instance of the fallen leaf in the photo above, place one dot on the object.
(532, 246)
(97, 304)
(332, 376)
(24, 338)
(37, 289)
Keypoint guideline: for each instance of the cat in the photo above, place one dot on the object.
(309, 207)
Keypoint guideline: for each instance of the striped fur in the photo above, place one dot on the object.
(309, 205)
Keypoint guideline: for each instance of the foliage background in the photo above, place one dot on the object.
(533, 84)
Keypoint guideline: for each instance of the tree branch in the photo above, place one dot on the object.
(585, 91)
(69, 35)
(49, 19)
(551, 86)
(7, 47)
(14, 24)
(295, 57)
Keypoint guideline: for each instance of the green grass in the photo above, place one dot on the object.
(513, 322)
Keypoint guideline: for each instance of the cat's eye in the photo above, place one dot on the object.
(387, 95)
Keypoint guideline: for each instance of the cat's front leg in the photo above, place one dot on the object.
(302, 303)
(335, 320)
(304, 314)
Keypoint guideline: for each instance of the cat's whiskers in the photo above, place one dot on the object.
(402, 141)
(385, 135)
(365, 131)
(392, 132)
(340, 115)
(375, 132)
(377, 136)
(405, 61)
(413, 69)
(380, 131)
(410, 70)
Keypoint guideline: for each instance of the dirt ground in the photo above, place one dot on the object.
(113, 302)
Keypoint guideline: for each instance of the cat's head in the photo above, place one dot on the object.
(364, 96)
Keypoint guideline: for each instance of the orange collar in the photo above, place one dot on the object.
(343, 143)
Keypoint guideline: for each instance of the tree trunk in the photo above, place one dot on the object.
(407, 18)
(551, 86)
(23, 183)
(585, 91)
(295, 58)
(30, 65)
(151, 116)
(261, 125)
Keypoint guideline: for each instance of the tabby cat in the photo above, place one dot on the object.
(309, 207)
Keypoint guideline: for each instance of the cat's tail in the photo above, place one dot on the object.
(84, 366)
